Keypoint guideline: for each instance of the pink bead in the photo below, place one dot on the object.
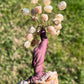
(29, 37)
(36, 10)
(44, 17)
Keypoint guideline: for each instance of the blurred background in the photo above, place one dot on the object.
(65, 53)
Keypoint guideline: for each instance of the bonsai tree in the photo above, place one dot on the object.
(36, 14)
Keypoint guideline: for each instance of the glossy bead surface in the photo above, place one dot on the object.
(29, 37)
(51, 30)
(44, 17)
(58, 27)
(48, 9)
(27, 44)
(62, 5)
(36, 10)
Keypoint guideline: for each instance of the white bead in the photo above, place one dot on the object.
(48, 9)
(31, 30)
(59, 17)
(51, 30)
(62, 5)
(46, 2)
(34, 1)
(58, 27)
(56, 21)
(44, 17)
(58, 32)
(27, 44)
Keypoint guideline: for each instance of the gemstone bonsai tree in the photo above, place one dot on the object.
(36, 14)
